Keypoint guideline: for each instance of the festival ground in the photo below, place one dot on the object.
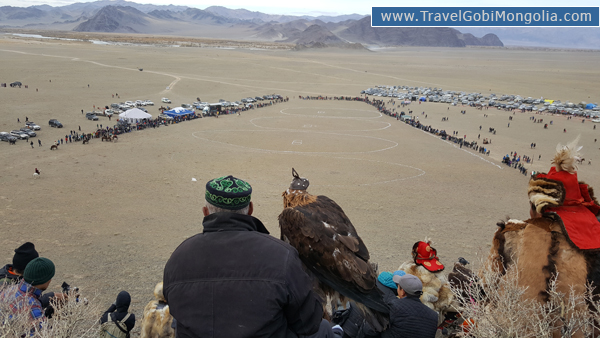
(110, 214)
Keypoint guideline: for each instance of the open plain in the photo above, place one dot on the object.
(110, 214)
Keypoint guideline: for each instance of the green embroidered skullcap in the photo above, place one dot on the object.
(228, 192)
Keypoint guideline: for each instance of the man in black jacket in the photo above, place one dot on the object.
(234, 279)
(408, 316)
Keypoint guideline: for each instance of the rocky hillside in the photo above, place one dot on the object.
(115, 19)
(362, 32)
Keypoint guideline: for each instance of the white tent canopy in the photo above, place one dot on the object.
(134, 115)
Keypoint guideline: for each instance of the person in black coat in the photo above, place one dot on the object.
(234, 279)
(118, 310)
(408, 316)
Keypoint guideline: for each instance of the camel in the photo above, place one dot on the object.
(54, 146)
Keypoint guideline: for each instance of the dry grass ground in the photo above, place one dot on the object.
(110, 214)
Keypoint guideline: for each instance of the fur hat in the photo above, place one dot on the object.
(426, 256)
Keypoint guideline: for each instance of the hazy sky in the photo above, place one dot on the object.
(317, 7)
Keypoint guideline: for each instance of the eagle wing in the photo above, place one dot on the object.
(330, 248)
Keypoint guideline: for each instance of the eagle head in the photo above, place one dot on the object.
(298, 183)
(296, 194)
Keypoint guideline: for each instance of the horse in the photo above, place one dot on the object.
(36, 175)
(12, 142)
(86, 140)
(54, 146)
(580, 160)
(107, 138)
(115, 138)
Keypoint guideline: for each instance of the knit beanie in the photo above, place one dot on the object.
(39, 271)
(386, 279)
(23, 255)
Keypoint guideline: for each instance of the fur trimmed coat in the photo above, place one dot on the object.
(436, 290)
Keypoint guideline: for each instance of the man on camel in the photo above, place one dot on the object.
(561, 196)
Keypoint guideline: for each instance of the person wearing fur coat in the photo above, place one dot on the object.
(157, 319)
(427, 267)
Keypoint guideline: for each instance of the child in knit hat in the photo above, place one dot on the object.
(23, 255)
(25, 296)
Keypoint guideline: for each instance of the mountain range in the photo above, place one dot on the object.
(121, 16)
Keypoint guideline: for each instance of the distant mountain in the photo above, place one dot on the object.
(122, 16)
(92, 7)
(362, 32)
(559, 37)
(115, 19)
(195, 14)
(314, 34)
(244, 14)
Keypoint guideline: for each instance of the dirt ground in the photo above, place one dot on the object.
(110, 214)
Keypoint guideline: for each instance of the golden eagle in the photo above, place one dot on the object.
(332, 251)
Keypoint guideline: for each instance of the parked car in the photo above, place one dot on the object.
(165, 117)
(91, 116)
(165, 100)
(29, 132)
(32, 126)
(186, 106)
(7, 137)
(149, 103)
(19, 134)
(258, 98)
(55, 123)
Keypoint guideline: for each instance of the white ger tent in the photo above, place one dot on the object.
(134, 115)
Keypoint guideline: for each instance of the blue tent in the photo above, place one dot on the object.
(178, 112)
(422, 99)
(590, 106)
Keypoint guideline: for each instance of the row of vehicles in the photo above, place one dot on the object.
(131, 104)
(248, 101)
(20, 134)
(428, 94)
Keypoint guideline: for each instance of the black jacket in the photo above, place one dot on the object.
(409, 318)
(235, 280)
(6, 276)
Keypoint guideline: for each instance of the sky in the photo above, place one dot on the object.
(318, 7)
